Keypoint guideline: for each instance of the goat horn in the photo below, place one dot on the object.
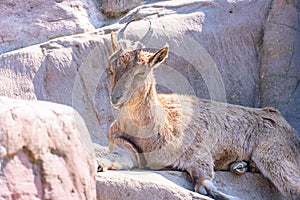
(118, 47)
(146, 36)
(121, 34)
(115, 46)
(140, 43)
(114, 42)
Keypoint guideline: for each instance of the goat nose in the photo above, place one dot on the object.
(116, 97)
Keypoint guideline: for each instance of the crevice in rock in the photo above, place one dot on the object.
(261, 54)
(58, 153)
(285, 25)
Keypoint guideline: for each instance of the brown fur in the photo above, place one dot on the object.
(196, 135)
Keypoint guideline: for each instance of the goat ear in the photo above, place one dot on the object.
(159, 56)
(114, 43)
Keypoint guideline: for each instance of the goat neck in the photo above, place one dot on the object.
(143, 113)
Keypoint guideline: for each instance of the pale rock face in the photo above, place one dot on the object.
(65, 71)
(115, 8)
(24, 23)
(280, 61)
(139, 184)
(40, 144)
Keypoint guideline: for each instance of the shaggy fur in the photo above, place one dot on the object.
(199, 136)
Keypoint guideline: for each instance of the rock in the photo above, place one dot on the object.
(40, 144)
(115, 8)
(176, 185)
(145, 185)
(280, 61)
(24, 23)
(53, 72)
(248, 186)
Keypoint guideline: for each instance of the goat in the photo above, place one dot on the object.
(155, 131)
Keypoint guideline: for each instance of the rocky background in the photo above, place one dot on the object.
(240, 52)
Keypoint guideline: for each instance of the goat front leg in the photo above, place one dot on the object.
(202, 173)
(122, 155)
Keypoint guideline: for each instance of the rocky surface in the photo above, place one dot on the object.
(64, 71)
(280, 61)
(26, 22)
(40, 144)
(115, 8)
(142, 185)
(240, 52)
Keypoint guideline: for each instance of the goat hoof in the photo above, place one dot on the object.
(239, 168)
(202, 190)
(207, 188)
(101, 169)
(103, 165)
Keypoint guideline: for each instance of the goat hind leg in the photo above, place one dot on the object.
(276, 165)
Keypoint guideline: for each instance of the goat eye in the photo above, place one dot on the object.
(140, 73)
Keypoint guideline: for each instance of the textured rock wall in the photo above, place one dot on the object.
(143, 184)
(280, 61)
(27, 22)
(115, 8)
(40, 144)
